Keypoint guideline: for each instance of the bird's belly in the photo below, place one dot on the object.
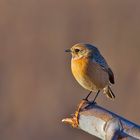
(79, 70)
(91, 77)
(85, 82)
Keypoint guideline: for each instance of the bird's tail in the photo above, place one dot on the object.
(109, 93)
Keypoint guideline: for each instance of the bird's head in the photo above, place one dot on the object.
(81, 50)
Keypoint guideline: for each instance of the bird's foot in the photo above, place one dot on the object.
(90, 104)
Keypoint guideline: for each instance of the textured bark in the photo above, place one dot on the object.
(107, 125)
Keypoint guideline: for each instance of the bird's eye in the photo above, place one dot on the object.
(77, 50)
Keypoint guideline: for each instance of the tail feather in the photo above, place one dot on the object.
(109, 93)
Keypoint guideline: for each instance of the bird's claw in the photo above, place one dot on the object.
(90, 104)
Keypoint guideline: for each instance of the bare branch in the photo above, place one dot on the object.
(106, 125)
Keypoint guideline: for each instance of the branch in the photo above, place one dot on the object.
(106, 125)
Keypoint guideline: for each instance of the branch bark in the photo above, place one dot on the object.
(107, 125)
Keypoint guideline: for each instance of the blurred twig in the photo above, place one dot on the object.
(107, 125)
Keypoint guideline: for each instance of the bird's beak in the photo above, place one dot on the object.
(68, 50)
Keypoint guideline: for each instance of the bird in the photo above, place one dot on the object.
(91, 71)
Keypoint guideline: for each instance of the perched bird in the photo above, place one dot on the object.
(91, 71)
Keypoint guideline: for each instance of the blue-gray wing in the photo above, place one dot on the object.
(111, 76)
(109, 71)
(98, 58)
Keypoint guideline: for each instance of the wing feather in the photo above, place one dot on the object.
(111, 76)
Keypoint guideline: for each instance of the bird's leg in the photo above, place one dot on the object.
(87, 96)
(93, 102)
(96, 97)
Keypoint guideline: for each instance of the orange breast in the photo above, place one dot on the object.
(79, 69)
(79, 66)
(90, 75)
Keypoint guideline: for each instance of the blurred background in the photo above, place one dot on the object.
(37, 88)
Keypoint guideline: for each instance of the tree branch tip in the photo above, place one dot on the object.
(67, 120)
(72, 121)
